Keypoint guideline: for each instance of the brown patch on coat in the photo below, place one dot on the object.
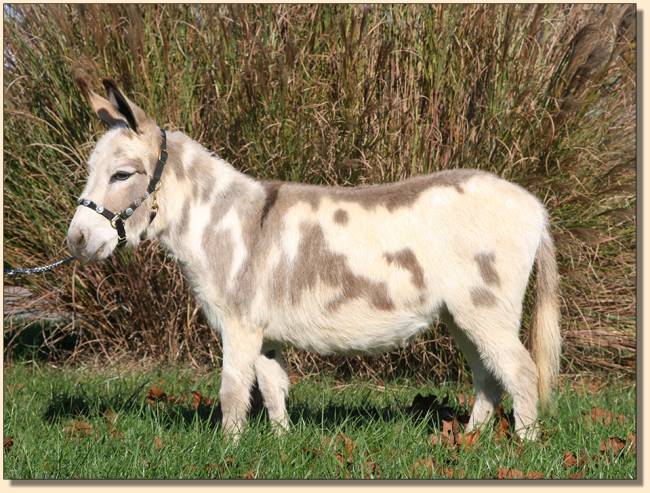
(218, 247)
(406, 259)
(174, 154)
(232, 197)
(400, 194)
(403, 193)
(201, 173)
(247, 202)
(391, 196)
(316, 263)
(179, 169)
(277, 200)
(119, 199)
(341, 217)
(485, 263)
(184, 220)
(271, 189)
(483, 297)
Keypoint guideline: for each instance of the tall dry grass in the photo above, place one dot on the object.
(542, 95)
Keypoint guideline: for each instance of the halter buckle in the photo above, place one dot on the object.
(154, 202)
(116, 217)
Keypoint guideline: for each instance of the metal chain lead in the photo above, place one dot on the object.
(37, 270)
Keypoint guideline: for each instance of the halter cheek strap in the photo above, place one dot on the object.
(117, 219)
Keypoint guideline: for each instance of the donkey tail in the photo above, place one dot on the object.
(546, 340)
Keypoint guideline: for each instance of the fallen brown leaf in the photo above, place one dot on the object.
(534, 475)
(115, 433)
(7, 444)
(78, 429)
(15, 387)
(631, 437)
(155, 394)
(110, 416)
(612, 444)
(158, 443)
(249, 475)
(503, 430)
(588, 386)
(196, 399)
(313, 452)
(577, 475)
(447, 434)
(507, 473)
(603, 416)
(427, 465)
(570, 459)
(372, 470)
(466, 399)
(452, 473)
(348, 446)
(468, 440)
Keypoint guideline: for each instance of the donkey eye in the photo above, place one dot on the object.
(120, 176)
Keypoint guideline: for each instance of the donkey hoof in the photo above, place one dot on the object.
(529, 433)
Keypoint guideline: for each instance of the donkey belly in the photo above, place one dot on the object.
(356, 328)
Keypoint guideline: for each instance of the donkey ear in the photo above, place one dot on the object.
(106, 111)
(135, 116)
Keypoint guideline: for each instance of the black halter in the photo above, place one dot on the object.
(117, 219)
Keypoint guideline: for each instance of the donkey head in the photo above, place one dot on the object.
(120, 168)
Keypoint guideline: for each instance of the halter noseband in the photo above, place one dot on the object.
(117, 219)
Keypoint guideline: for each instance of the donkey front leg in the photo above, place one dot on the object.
(274, 385)
(241, 347)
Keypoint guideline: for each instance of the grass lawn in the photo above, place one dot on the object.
(87, 423)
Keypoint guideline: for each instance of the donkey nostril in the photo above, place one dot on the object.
(78, 240)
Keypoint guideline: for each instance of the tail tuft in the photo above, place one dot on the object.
(546, 340)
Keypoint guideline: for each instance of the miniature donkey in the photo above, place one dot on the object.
(330, 269)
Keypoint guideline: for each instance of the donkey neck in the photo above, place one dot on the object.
(197, 190)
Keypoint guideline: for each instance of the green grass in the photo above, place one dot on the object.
(374, 430)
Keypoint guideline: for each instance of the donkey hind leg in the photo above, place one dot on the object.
(241, 347)
(494, 333)
(488, 390)
(274, 385)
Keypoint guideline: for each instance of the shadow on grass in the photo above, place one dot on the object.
(173, 413)
(78, 403)
(429, 409)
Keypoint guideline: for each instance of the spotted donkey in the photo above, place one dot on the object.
(330, 269)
